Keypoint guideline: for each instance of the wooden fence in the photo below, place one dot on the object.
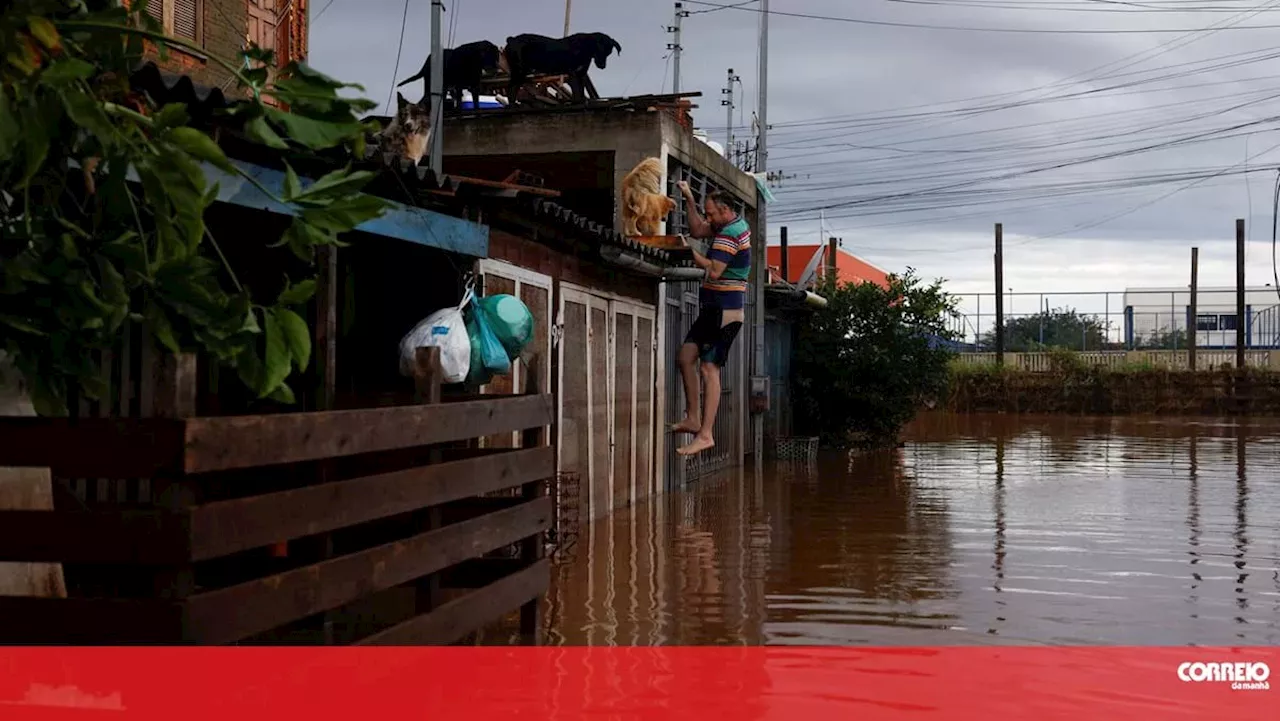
(373, 526)
(1168, 359)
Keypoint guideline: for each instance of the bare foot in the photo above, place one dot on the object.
(687, 426)
(697, 445)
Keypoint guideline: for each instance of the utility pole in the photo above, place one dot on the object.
(675, 47)
(1193, 325)
(1240, 319)
(782, 244)
(437, 89)
(761, 230)
(727, 101)
(999, 294)
(567, 5)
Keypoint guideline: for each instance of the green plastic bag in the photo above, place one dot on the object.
(488, 356)
(510, 320)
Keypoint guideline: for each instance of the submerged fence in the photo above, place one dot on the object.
(1043, 362)
(1117, 320)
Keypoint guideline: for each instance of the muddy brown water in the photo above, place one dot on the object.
(978, 530)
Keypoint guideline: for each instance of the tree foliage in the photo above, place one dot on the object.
(1165, 338)
(865, 363)
(103, 197)
(1057, 328)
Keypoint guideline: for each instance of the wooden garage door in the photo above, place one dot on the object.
(606, 397)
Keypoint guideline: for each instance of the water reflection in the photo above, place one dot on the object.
(981, 529)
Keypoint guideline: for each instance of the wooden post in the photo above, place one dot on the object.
(174, 378)
(326, 331)
(782, 245)
(533, 548)
(999, 294)
(428, 373)
(831, 260)
(1192, 324)
(1240, 319)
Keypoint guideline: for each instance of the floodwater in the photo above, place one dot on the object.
(979, 530)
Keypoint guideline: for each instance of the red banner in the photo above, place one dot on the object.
(640, 684)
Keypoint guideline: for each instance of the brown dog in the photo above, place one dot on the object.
(644, 206)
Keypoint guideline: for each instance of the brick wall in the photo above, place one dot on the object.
(537, 257)
(224, 23)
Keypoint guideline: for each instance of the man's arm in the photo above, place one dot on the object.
(698, 225)
(714, 268)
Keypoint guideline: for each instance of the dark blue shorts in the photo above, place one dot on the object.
(714, 342)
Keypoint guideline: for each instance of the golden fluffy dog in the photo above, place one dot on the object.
(644, 206)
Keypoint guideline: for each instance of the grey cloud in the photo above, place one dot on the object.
(824, 69)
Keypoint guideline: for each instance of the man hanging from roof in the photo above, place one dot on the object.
(722, 303)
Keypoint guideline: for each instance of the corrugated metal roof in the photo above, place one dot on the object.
(164, 87)
(538, 201)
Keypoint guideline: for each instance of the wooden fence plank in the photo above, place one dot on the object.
(457, 618)
(227, 527)
(122, 536)
(240, 611)
(480, 572)
(89, 621)
(93, 447)
(215, 444)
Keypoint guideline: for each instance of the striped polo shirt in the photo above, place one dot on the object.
(732, 246)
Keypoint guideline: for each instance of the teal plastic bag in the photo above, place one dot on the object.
(488, 356)
(510, 320)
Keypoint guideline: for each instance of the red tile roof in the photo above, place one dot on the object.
(849, 268)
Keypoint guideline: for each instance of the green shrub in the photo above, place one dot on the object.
(866, 362)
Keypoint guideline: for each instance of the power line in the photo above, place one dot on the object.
(404, 21)
(453, 25)
(321, 11)
(723, 7)
(1097, 6)
(961, 28)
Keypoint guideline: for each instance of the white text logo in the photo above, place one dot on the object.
(1242, 676)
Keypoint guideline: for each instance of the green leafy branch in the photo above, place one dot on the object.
(102, 212)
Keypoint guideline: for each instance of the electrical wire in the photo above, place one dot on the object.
(404, 21)
(453, 22)
(321, 12)
(718, 9)
(963, 28)
(1275, 215)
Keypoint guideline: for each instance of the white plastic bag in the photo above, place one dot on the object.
(444, 328)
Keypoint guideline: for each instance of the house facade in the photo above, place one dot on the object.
(618, 319)
(223, 28)
(849, 267)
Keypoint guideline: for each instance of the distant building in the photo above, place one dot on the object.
(849, 267)
(1161, 317)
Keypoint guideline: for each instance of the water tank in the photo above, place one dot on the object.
(702, 135)
(486, 101)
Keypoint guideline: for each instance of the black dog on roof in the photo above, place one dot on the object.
(530, 54)
(464, 67)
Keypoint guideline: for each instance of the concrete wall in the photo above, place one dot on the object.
(631, 137)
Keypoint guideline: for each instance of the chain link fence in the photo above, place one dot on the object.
(1156, 319)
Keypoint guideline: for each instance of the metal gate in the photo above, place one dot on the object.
(681, 308)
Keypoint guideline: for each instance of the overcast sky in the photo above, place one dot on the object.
(915, 141)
